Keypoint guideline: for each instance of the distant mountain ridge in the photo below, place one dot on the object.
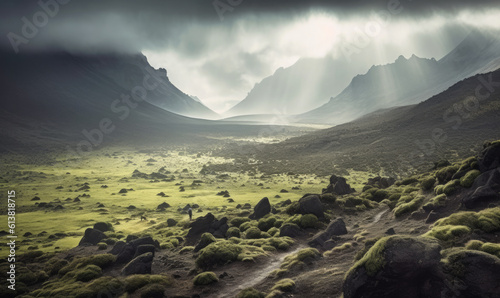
(409, 81)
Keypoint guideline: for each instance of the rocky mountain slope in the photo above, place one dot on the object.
(396, 140)
(409, 81)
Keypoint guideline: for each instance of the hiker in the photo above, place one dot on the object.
(190, 213)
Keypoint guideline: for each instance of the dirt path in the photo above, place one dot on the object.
(254, 277)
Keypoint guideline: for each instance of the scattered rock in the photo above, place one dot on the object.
(102, 226)
(338, 185)
(390, 231)
(142, 249)
(311, 204)
(290, 230)
(380, 182)
(398, 265)
(489, 158)
(163, 206)
(262, 208)
(123, 190)
(171, 222)
(486, 189)
(139, 265)
(92, 236)
(335, 228)
(36, 199)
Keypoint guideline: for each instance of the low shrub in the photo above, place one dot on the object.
(205, 278)
(250, 293)
(308, 221)
(469, 178)
(284, 285)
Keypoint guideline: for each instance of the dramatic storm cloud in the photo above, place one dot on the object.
(217, 50)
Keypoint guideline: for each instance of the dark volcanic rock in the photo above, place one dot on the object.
(478, 273)
(144, 248)
(129, 250)
(199, 226)
(335, 228)
(487, 188)
(490, 157)
(117, 248)
(338, 185)
(163, 205)
(171, 222)
(102, 226)
(311, 204)
(381, 182)
(290, 230)
(92, 236)
(139, 265)
(411, 268)
(262, 208)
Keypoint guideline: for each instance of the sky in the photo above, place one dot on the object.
(218, 50)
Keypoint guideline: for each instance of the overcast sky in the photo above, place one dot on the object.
(217, 50)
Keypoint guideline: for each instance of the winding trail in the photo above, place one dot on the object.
(379, 216)
(259, 275)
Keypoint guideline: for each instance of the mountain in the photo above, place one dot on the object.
(409, 81)
(392, 141)
(51, 99)
(306, 85)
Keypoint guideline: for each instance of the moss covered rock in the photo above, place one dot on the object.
(205, 278)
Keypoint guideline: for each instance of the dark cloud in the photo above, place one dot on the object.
(133, 25)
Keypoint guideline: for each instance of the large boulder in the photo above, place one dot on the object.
(489, 158)
(338, 185)
(311, 204)
(127, 252)
(397, 266)
(262, 208)
(477, 273)
(92, 237)
(139, 265)
(290, 230)
(486, 189)
(102, 226)
(335, 228)
(380, 182)
(219, 228)
(144, 248)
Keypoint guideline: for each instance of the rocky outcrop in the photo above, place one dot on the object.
(486, 189)
(489, 158)
(206, 224)
(397, 265)
(92, 237)
(380, 182)
(260, 210)
(338, 185)
(335, 228)
(126, 252)
(311, 204)
(139, 265)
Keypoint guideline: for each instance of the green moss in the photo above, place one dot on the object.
(338, 249)
(380, 194)
(253, 233)
(250, 293)
(436, 202)
(487, 220)
(102, 246)
(275, 294)
(206, 239)
(293, 208)
(439, 189)
(186, 249)
(167, 245)
(266, 223)
(247, 225)
(408, 181)
(174, 242)
(373, 260)
(281, 243)
(153, 291)
(205, 278)
(491, 248)
(284, 285)
(238, 221)
(135, 282)
(218, 253)
(88, 273)
(474, 244)
(408, 207)
(428, 183)
(448, 232)
(233, 232)
(308, 221)
(274, 231)
(102, 261)
(444, 175)
(450, 187)
(469, 178)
